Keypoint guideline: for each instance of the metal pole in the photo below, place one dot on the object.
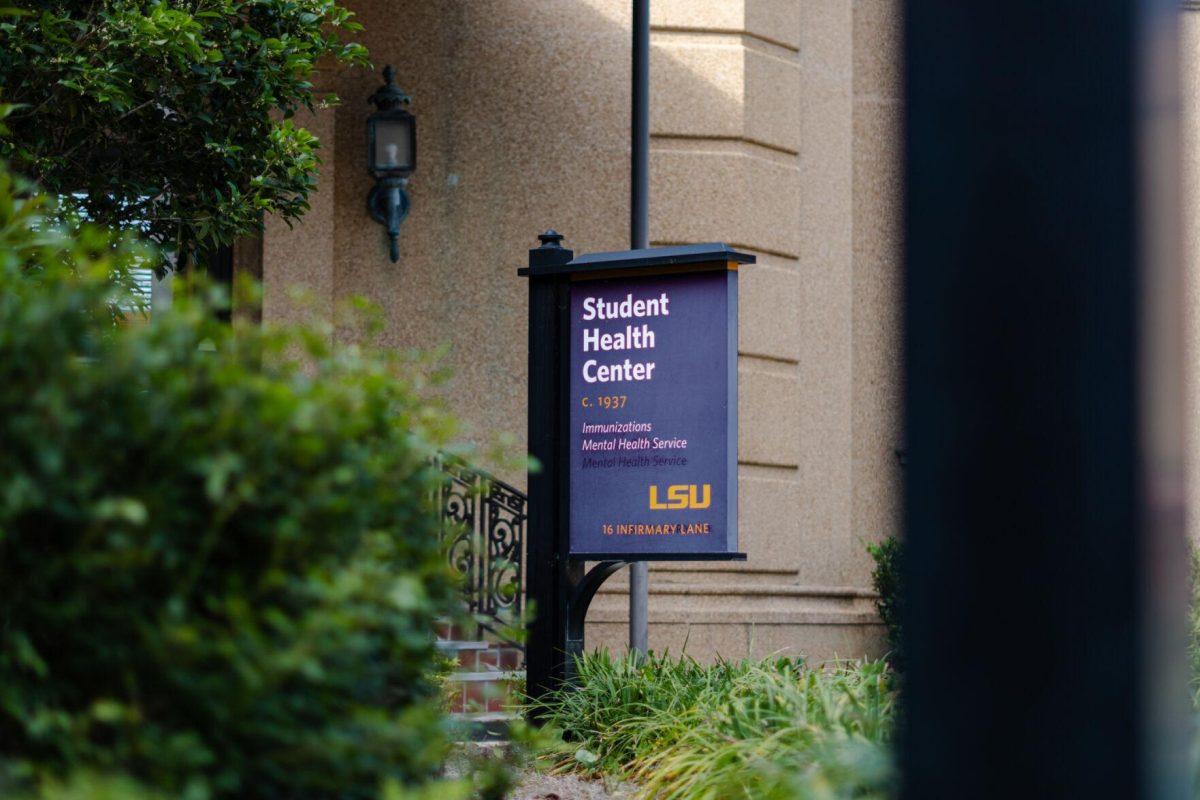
(639, 237)
(548, 580)
(639, 160)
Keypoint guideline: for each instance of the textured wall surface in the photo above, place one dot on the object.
(1189, 129)
(775, 128)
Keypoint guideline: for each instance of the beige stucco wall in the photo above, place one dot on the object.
(775, 128)
(1189, 57)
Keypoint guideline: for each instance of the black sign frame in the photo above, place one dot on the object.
(558, 588)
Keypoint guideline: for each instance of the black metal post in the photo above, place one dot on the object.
(1043, 498)
(639, 237)
(546, 582)
(557, 590)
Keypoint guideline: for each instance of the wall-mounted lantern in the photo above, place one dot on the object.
(391, 157)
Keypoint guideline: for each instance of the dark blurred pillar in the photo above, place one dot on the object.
(1044, 425)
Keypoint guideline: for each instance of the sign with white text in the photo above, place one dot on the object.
(653, 420)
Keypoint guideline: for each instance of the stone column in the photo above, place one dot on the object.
(298, 268)
(1189, 58)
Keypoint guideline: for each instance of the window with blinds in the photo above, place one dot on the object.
(143, 285)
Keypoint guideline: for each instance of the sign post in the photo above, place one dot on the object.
(633, 420)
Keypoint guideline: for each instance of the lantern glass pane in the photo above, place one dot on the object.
(393, 145)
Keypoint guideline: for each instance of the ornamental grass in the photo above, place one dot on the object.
(773, 728)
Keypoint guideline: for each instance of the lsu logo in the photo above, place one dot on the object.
(682, 496)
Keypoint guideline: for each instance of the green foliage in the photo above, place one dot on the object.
(166, 115)
(886, 580)
(1193, 655)
(220, 567)
(87, 785)
(31, 243)
(763, 729)
(1193, 645)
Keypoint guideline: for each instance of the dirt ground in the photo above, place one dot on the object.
(569, 787)
(539, 786)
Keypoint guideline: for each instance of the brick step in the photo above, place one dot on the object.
(491, 726)
(488, 691)
(475, 656)
(459, 645)
(458, 631)
(487, 675)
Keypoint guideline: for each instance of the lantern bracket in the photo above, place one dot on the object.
(388, 205)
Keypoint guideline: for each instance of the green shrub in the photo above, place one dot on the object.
(763, 729)
(87, 785)
(1193, 655)
(1193, 646)
(174, 118)
(218, 562)
(886, 580)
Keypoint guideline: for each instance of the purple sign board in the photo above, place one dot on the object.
(653, 416)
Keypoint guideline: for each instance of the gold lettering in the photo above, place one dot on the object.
(682, 495)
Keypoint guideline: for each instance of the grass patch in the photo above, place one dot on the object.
(774, 728)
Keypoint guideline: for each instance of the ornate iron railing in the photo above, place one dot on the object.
(485, 530)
